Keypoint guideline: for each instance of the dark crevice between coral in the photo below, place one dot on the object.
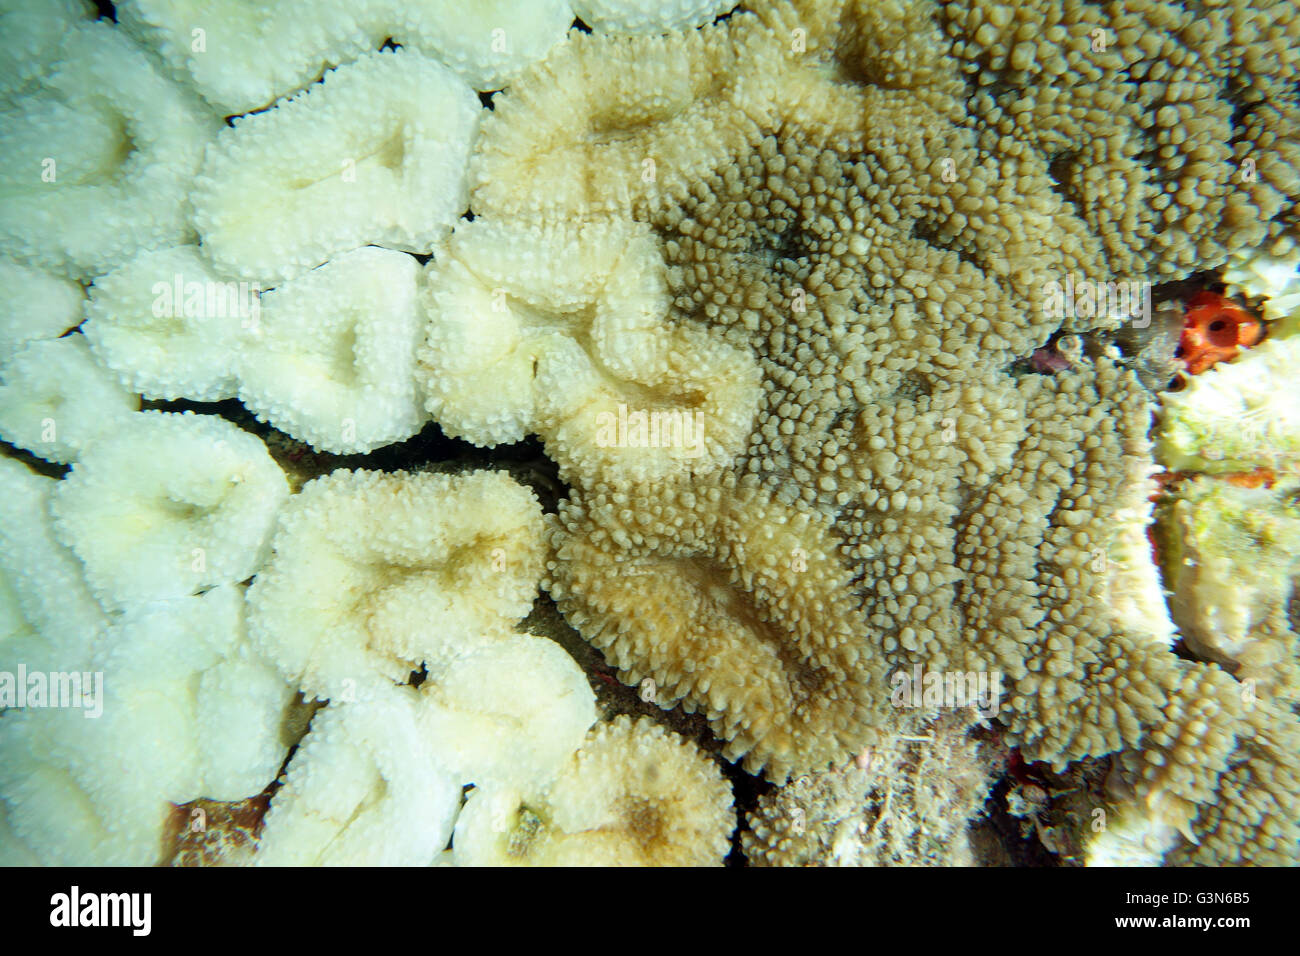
(429, 450)
(927, 231)
(998, 826)
(1061, 170)
(50, 469)
(746, 790)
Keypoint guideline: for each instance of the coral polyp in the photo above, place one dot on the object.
(521, 432)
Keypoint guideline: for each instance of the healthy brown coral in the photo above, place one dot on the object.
(902, 184)
(732, 603)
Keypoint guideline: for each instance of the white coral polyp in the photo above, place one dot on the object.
(509, 711)
(168, 505)
(648, 16)
(375, 154)
(332, 359)
(99, 790)
(95, 165)
(194, 653)
(55, 399)
(48, 618)
(30, 35)
(374, 575)
(253, 54)
(169, 325)
(363, 789)
(35, 305)
(564, 331)
(488, 42)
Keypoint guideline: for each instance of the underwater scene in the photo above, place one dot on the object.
(649, 433)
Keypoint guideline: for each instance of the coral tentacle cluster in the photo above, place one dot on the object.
(830, 337)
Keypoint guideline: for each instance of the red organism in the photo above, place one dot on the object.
(1215, 330)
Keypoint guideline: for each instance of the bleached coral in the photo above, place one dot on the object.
(374, 154)
(95, 163)
(488, 42)
(634, 795)
(169, 326)
(560, 332)
(507, 711)
(168, 505)
(374, 575)
(331, 358)
(50, 619)
(241, 58)
(864, 204)
(364, 788)
(648, 16)
(35, 305)
(609, 125)
(328, 357)
(98, 789)
(29, 38)
(55, 399)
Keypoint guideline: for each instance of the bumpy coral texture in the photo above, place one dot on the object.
(364, 789)
(648, 16)
(35, 305)
(97, 156)
(187, 710)
(873, 200)
(748, 620)
(561, 331)
(373, 575)
(634, 795)
(167, 505)
(373, 154)
(830, 225)
(252, 54)
(55, 399)
(903, 803)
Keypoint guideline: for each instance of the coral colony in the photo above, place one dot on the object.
(485, 433)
